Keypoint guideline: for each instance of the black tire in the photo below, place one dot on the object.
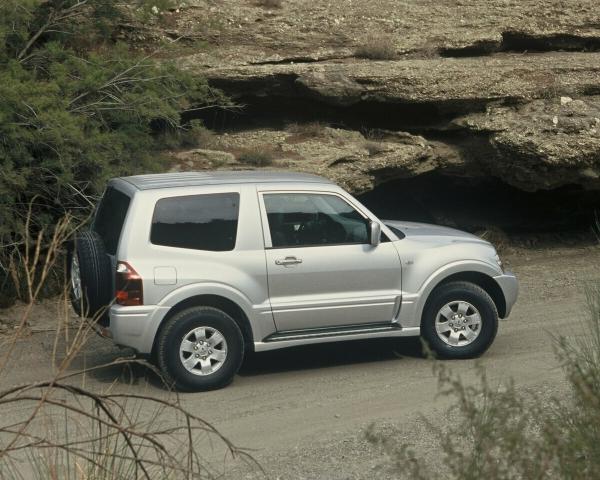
(173, 333)
(95, 273)
(457, 292)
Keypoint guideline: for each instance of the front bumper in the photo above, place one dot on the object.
(135, 327)
(510, 288)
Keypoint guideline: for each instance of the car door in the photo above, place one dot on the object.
(322, 270)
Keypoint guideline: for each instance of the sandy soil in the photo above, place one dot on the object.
(304, 411)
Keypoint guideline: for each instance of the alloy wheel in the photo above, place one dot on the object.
(203, 350)
(458, 323)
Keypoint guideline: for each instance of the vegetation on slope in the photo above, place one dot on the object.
(501, 432)
(76, 108)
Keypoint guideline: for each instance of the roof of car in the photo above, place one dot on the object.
(194, 179)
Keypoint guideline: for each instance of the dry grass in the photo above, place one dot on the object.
(61, 429)
(269, 3)
(377, 47)
(497, 237)
(303, 131)
(373, 133)
(374, 148)
(501, 432)
(429, 50)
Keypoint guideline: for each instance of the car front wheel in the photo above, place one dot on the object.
(460, 320)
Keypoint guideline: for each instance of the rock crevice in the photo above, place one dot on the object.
(524, 42)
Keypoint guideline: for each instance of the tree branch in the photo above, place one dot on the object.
(55, 17)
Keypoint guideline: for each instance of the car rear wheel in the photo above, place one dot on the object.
(200, 348)
(460, 320)
(89, 274)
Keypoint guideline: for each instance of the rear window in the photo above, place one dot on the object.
(110, 218)
(199, 222)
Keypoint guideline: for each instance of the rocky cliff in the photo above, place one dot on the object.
(371, 92)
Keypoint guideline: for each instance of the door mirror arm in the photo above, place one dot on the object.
(374, 233)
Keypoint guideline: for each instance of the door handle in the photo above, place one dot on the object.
(288, 261)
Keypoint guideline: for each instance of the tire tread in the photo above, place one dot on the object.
(164, 343)
(95, 271)
(489, 322)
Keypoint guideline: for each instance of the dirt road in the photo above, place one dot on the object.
(304, 410)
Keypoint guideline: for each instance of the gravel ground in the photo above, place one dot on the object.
(304, 411)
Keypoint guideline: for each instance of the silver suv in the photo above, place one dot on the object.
(198, 268)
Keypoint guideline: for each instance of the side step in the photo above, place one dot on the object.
(332, 331)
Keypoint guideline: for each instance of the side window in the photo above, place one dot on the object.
(311, 219)
(110, 218)
(199, 222)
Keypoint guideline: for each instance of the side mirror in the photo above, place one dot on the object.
(374, 233)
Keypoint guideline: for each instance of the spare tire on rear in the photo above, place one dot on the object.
(90, 276)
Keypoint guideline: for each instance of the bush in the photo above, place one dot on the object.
(374, 148)
(377, 47)
(308, 130)
(269, 3)
(507, 434)
(72, 117)
(59, 429)
(256, 158)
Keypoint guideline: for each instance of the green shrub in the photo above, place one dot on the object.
(71, 116)
(256, 157)
(196, 135)
(504, 433)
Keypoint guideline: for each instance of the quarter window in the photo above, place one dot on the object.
(308, 219)
(110, 218)
(199, 222)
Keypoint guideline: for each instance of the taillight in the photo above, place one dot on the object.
(128, 285)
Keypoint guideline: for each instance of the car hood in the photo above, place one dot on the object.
(433, 233)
